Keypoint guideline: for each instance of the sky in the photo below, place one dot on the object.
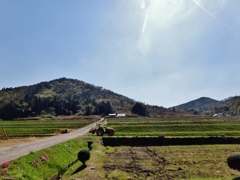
(159, 52)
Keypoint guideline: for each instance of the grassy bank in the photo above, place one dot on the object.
(56, 158)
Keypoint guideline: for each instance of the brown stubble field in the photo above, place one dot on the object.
(171, 162)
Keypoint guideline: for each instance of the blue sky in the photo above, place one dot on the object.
(160, 52)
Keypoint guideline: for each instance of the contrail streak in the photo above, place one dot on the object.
(145, 22)
(215, 18)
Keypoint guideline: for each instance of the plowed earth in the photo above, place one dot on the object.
(138, 162)
(172, 162)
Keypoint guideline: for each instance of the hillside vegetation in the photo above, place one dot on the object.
(208, 106)
(65, 97)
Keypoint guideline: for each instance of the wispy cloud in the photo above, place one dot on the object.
(145, 8)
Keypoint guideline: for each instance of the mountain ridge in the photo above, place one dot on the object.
(207, 106)
(65, 96)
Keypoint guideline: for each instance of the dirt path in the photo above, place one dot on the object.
(17, 149)
(17, 141)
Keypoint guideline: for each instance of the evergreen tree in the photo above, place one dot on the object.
(140, 109)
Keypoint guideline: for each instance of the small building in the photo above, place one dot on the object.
(117, 115)
(120, 115)
(218, 115)
(112, 115)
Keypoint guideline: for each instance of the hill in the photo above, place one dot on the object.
(65, 97)
(208, 106)
(201, 104)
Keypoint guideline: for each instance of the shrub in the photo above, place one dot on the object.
(89, 145)
(233, 161)
(83, 156)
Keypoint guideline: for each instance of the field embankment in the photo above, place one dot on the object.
(161, 141)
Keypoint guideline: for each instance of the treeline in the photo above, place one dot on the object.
(208, 106)
(58, 97)
(65, 97)
(36, 106)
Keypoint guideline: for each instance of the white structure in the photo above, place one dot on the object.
(218, 115)
(121, 115)
(117, 115)
(112, 115)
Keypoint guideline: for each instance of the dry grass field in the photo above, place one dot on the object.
(171, 162)
(196, 162)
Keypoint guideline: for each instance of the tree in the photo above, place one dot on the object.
(233, 161)
(104, 108)
(174, 110)
(84, 155)
(88, 110)
(140, 109)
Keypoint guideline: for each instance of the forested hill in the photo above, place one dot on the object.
(200, 104)
(208, 106)
(64, 97)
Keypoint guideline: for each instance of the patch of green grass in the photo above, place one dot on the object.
(94, 166)
(175, 126)
(57, 158)
(28, 128)
(146, 120)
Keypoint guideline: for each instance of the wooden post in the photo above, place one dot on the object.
(4, 132)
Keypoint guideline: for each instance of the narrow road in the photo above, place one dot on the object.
(12, 152)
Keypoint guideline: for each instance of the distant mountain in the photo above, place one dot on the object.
(232, 105)
(201, 104)
(65, 97)
(208, 106)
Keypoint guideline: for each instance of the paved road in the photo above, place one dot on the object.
(12, 152)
